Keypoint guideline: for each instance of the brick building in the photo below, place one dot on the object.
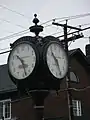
(13, 105)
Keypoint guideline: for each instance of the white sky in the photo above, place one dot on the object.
(11, 22)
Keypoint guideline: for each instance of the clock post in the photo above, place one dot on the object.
(38, 96)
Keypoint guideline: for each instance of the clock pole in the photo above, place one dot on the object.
(38, 96)
(69, 95)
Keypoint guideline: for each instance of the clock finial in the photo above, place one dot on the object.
(35, 15)
(36, 28)
(35, 20)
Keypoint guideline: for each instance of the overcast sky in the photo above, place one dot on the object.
(17, 15)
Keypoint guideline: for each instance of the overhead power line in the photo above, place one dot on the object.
(61, 90)
(14, 11)
(5, 52)
(84, 24)
(24, 32)
(65, 18)
(74, 17)
(7, 37)
(4, 20)
(58, 32)
(27, 31)
(75, 89)
(70, 17)
(75, 32)
(4, 48)
(70, 29)
(15, 34)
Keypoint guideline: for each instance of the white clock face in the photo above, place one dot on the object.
(57, 60)
(22, 61)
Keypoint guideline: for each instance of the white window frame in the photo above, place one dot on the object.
(77, 111)
(3, 101)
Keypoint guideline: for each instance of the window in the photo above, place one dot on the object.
(5, 109)
(76, 107)
(73, 77)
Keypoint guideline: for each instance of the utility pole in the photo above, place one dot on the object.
(65, 41)
(69, 96)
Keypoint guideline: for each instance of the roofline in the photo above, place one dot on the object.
(7, 91)
(78, 50)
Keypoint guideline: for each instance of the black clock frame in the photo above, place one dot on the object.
(28, 81)
(50, 41)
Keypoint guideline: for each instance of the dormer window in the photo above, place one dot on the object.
(73, 77)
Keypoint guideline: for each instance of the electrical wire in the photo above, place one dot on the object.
(23, 32)
(20, 99)
(75, 89)
(7, 31)
(4, 48)
(4, 20)
(15, 34)
(59, 32)
(56, 33)
(82, 15)
(4, 7)
(47, 21)
(70, 43)
(7, 37)
(61, 90)
(83, 37)
(47, 25)
(73, 41)
(80, 89)
(65, 18)
(84, 24)
(5, 52)
(70, 29)
(74, 17)
(75, 32)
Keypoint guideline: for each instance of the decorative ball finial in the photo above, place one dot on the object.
(36, 28)
(35, 20)
(35, 15)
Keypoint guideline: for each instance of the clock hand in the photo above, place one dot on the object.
(22, 64)
(56, 61)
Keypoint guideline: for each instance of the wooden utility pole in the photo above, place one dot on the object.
(69, 96)
(65, 41)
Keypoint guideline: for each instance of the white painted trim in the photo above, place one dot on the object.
(3, 101)
(77, 107)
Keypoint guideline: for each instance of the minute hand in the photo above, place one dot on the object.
(22, 64)
(56, 62)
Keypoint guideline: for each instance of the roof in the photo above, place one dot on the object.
(80, 56)
(6, 84)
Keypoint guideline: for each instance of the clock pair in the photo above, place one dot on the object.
(24, 59)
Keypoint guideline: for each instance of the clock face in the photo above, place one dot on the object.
(22, 60)
(56, 60)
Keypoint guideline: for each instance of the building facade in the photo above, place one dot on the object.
(15, 106)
